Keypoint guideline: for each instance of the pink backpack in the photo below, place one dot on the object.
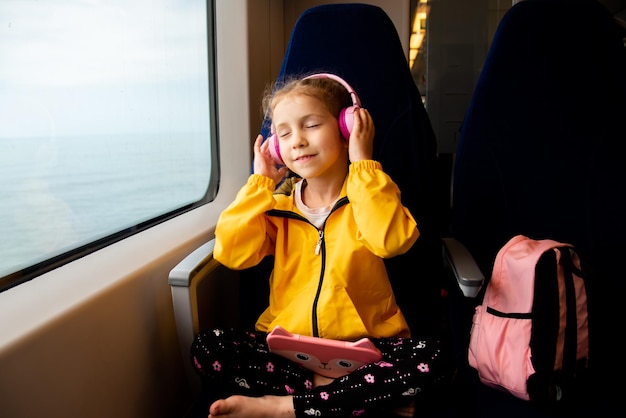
(530, 335)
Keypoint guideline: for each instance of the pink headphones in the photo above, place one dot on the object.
(346, 117)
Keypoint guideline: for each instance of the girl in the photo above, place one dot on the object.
(328, 236)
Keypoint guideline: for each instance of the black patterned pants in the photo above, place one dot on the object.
(234, 361)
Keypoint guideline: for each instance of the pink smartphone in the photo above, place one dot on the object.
(326, 357)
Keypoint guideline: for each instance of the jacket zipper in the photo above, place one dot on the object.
(320, 248)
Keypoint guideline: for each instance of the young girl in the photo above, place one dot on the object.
(329, 237)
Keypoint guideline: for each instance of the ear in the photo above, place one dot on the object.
(364, 343)
(278, 330)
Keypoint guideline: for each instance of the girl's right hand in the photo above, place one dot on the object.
(361, 144)
(264, 164)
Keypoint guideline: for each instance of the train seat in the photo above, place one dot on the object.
(540, 153)
(368, 54)
(360, 44)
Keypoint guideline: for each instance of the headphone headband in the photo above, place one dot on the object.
(355, 99)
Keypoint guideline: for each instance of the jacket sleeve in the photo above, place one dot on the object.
(385, 226)
(243, 234)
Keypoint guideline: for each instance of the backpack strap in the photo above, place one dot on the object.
(576, 344)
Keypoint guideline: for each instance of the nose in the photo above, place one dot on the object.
(298, 139)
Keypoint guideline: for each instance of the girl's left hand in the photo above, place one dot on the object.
(361, 144)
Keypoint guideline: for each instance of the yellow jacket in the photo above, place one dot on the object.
(331, 282)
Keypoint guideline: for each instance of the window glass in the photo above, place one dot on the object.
(105, 121)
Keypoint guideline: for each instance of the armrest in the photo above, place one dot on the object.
(205, 294)
(468, 276)
(182, 273)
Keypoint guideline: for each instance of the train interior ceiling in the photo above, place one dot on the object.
(98, 337)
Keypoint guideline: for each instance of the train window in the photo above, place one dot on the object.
(107, 124)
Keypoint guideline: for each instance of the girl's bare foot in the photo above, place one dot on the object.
(237, 406)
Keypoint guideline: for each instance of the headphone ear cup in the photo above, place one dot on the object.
(346, 121)
(274, 148)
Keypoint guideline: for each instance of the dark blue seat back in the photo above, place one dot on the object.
(359, 43)
(541, 153)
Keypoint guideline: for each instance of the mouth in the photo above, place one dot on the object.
(302, 158)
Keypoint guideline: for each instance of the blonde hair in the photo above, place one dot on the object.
(328, 91)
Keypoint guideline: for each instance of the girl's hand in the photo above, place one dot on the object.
(264, 164)
(361, 144)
